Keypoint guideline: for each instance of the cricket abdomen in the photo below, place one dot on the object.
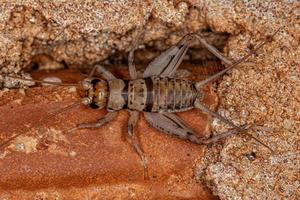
(161, 94)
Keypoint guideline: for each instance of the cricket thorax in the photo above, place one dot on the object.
(117, 99)
(98, 93)
(153, 94)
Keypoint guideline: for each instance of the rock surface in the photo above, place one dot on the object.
(46, 162)
(265, 93)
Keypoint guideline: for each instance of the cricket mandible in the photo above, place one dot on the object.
(158, 94)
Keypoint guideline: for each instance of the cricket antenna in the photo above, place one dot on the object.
(53, 114)
(260, 142)
(57, 112)
(233, 65)
(10, 139)
(39, 81)
(84, 101)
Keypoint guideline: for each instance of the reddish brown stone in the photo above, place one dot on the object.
(46, 157)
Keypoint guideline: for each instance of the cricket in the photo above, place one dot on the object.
(158, 94)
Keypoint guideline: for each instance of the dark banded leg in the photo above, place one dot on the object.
(107, 118)
(133, 140)
(104, 72)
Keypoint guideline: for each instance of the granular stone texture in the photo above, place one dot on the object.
(265, 91)
(81, 34)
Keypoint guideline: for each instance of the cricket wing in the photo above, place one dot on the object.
(167, 63)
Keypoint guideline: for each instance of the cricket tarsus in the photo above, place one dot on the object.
(226, 121)
(156, 94)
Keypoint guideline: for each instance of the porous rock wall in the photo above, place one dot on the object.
(265, 92)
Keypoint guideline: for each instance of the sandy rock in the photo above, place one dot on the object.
(81, 34)
(265, 93)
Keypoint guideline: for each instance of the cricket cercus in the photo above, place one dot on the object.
(157, 94)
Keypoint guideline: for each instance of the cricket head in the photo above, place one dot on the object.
(94, 92)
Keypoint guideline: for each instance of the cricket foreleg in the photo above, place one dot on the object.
(104, 72)
(133, 140)
(107, 118)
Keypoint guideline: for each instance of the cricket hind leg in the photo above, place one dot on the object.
(167, 63)
(171, 124)
(197, 36)
(237, 129)
(104, 120)
(234, 64)
(133, 140)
